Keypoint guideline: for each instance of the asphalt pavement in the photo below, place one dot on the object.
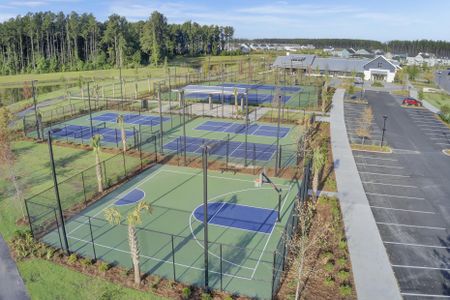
(409, 194)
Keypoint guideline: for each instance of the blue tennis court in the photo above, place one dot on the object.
(131, 119)
(289, 89)
(239, 216)
(260, 152)
(253, 99)
(239, 128)
(110, 135)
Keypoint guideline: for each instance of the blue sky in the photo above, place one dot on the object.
(381, 20)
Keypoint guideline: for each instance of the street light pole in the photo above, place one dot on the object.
(384, 129)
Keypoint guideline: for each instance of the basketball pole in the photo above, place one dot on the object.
(205, 211)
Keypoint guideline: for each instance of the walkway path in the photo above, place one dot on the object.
(11, 284)
(372, 272)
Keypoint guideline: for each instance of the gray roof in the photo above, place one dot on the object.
(297, 61)
(339, 64)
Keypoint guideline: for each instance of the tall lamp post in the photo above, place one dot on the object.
(384, 129)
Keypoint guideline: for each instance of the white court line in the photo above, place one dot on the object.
(424, 295)
(405, 210)
(380, 166)
(416, 245)
(379, 158)
(118, 196)
(420, 267)
(389, 184)
(157, 259)
(383, 174)
(214, 176)
(395, 196)
(411, 226)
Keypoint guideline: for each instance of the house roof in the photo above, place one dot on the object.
(362, 52)
(339, 64)
(294, 61)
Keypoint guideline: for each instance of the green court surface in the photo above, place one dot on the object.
(241, 261)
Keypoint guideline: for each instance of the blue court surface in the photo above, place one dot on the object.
(131, 119)
(253, 99)
(239, 128)
(110, 135)
(260, 152)
(132, 197)
(289, 89)
(239, 216)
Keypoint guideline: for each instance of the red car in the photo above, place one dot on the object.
(411, 101)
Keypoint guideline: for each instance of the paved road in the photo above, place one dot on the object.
(11, 285)
(409, 193)
(443, 79)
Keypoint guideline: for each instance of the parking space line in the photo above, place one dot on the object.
(380, 166)
(384, 174)
(379, 158)
(389, 184)
(447, 143)
(405, 210)
(420, 267)
(411, 226)
(417, 245)
(424, 295)
(394, 196)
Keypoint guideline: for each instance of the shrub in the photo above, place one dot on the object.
(72, 259)
(345, 290)
(329, 267)
(49, 254)
(343, 275)
(85, 262)
(342, 261)
(342, 245)
(326, 256)
(103, 266)
(186, 293)
(228, 297)
(206, 296)
(24, 244)
(328, 281)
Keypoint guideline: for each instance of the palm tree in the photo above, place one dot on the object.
(98, 166)
(134, 218)
(123, 135)
(319, 159)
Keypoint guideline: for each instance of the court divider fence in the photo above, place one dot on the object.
(232, 268)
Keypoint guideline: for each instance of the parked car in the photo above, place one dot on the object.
(358, 80)
(411, 102)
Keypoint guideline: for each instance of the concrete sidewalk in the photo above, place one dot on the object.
(11, 284)
(372, 271)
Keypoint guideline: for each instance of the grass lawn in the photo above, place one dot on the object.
(34, 174)
(437, 99)
(46, 280)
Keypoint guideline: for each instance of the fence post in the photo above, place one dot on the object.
(134, 137)
(84, 189)
(92, 238)
(254, 158)
(29, 218)
(140, 144)
(227, 151)
(57, 226)
(221, 268)
(273, 274)
(173, 259)
(117, 138)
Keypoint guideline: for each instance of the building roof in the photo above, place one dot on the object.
(297, 61)
(362, 52)
(339, 64)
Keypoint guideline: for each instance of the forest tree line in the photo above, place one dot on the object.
(49, 42)
(412, 48)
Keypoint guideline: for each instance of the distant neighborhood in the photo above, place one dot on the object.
(420, 59)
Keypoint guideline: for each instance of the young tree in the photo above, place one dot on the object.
(7, 157)
(365, 124)
(96, 139)
(123, 135)
(319, 160)
(133, 219)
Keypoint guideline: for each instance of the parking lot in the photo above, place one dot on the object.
(408, 192)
